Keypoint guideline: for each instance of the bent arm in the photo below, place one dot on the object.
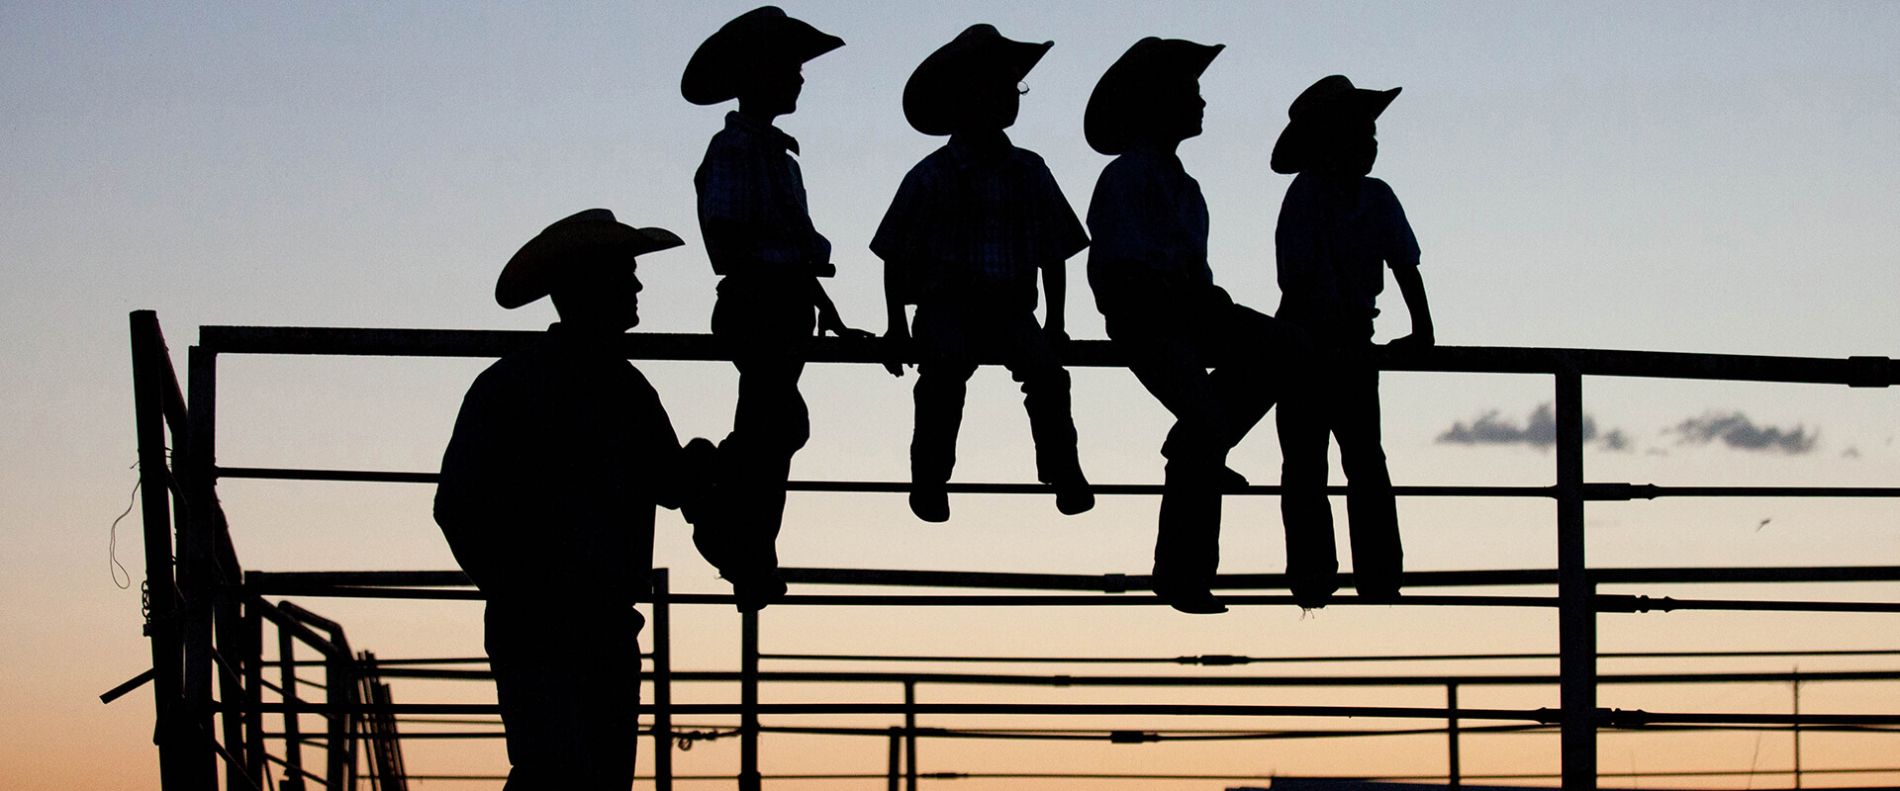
(1412, 288)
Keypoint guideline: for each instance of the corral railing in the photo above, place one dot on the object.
(198, 591)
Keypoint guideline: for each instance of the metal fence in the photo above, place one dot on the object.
(206, 613)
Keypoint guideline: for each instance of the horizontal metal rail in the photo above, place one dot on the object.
(270, 582)
(1064, 681)
(1218, 660)
(375, 342)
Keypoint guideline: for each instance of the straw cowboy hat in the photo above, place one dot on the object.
(940, 87)
(755, 40)
(1332, 99)
(1130, 88)
(583, 239)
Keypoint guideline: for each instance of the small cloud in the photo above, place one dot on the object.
(1735, 430)
(1852, 452)
(1763, 523)
(1538, 430)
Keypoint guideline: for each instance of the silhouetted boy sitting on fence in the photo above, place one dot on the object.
(1148, 267)
(970, 228)
(1339, 228)
(759, 236)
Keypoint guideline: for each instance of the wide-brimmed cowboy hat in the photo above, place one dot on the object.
(758, 39)
(589, 238)
(939, 90)
(1327, 102)
(1128, 89)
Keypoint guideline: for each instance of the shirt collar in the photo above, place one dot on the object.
(982, 148)
(766, 134)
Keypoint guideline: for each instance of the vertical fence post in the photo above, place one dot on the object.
(256, 765)
(896, 759)
(910, 735)
(1454, 773)
(293, 723)
(1797, 728)
(197, 551)
(150, 383)
(749, 701)
(1576, 608)
(662, 681)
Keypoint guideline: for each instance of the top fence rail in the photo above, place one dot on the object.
(1867, 371)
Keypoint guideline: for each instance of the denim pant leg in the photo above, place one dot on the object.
(1187, 538)
(568, 685)
(1045, 384)
(1371, 511)
(1305, 425)
(770, 424)
(946, 362)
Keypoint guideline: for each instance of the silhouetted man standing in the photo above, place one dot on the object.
(971, 227)
(547, 496)
(1339, 230)
(759, 236)
(1148, 268)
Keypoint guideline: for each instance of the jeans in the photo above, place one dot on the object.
(1250, 353)
(568, 681)
(1342, 402)
(950, 339)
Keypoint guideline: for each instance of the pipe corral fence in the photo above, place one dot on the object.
(216, 693)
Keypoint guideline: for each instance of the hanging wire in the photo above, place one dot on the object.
(114, 567)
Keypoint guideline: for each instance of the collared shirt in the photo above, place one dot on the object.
(1334, 241)
(1149, 224)
(548, 486)
(752, 208)
(978, 216)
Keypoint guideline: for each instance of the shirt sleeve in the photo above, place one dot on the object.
(1400, 246)
(1060, 232)
(728, 201)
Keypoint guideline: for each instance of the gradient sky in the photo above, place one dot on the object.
(1683, 177)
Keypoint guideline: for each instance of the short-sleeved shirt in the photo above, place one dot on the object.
(548, 486)
(1148, 221)
(752, 206)
(1333, 244)
(978, 218)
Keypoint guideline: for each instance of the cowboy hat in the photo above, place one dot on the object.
(578, 240)
(1332, 99)
(937, 92)
(752, 41)
(1129, 88)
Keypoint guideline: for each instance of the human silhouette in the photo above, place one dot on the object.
(969, 229)
(547, 496)
(1148, 268)
(759, 237)
(1339, 229)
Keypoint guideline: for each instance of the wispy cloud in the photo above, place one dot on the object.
(1538, 430)
(1737, 431)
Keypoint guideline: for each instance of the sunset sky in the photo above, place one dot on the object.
(1693, 177)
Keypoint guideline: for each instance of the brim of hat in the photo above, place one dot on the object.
(933, 96)
(1122, 92)
(1293, 151)
(536, 267)
(718, 69)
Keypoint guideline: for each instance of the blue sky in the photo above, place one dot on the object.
(1680, 177)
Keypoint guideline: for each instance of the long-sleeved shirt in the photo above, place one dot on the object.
(559, 455)
(753, 212)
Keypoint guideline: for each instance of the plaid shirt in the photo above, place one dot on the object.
(1149, 221)
(752, 207)
(978, 218)
(1332, 246)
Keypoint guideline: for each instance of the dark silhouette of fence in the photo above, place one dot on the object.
(206, 615)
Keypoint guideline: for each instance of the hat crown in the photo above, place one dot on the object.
(728, 58)
(1134, 82)
(934, 95)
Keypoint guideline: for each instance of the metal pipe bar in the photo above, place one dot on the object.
(749, 707)
(1230, 659)
(197, 550)
(1024, 680)
(379, 342)
(270, 582)
(1543, 715)
(662, 681)
(153, 379)
(1603, 491)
